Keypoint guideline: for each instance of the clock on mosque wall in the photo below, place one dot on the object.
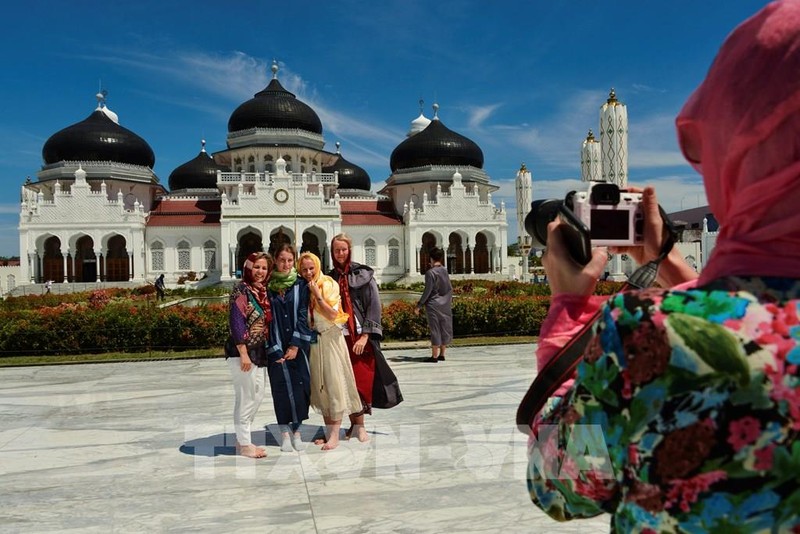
(281, 196)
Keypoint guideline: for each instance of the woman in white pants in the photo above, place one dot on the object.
(245, 350)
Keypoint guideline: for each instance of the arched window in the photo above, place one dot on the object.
(157, 257)
(210, 255)
(370, 253)
(12, 282)
(394, 253)
(184, 256)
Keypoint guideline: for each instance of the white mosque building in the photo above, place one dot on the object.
(97, 213)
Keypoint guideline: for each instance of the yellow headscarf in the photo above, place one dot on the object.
(327, 285)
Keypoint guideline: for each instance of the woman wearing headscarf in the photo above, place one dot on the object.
(333, 386)
(685, 411)
(248, 322)
(288, 347)
(361, 302)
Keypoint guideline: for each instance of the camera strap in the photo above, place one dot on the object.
(561, 367)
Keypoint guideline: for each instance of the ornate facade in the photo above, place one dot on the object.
(98, 213)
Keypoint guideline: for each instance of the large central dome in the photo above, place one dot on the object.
(274, 108)
(98, 138)
(436, 145)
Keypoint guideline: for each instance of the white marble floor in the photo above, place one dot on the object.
(146, 447)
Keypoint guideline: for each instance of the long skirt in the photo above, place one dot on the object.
(333, 384)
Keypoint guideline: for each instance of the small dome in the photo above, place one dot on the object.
(420, 123)
(99, 137)
(436, 145)
(351, 176)
(274, 107)
(197, 173)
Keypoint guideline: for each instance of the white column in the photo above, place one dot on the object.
(97, 254)
(32, 266)
(65, 254)
(130, 266)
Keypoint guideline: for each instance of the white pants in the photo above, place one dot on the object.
(249, 389)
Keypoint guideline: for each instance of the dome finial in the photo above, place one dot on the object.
(590, 136)
(435, 111)
(612, 96)
(202, 145)
(101, 98)
(421, 106)
(274, 69)
(338, 146)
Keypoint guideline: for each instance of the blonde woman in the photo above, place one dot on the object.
(333, 385)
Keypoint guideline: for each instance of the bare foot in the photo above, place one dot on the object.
(361, 433)
(331, 444)
(251, 451)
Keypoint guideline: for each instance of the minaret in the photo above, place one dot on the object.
(523, 187)
(590, 159)
(614, 141)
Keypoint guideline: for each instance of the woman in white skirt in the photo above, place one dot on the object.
(333, 385)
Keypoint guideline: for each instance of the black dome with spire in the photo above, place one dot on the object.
(197, 173)
(98, 138)
(274, 107)
(351, 176)
(436, 145)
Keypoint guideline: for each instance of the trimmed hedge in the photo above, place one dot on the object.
(117, 321)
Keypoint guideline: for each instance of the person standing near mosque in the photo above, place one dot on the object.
(287, 352)
(249, 318)
(437, 299)
(333, 385)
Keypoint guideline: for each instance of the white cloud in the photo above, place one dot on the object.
(479, 114)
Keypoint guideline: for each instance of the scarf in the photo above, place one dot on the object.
(328, 287)
(344, 291)
(280, 282)
(257, 289)
(741, 130)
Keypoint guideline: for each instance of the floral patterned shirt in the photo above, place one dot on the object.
(684, 415)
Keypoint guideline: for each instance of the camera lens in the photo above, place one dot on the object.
(542, 213)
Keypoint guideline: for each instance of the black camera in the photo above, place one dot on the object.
(604, 215)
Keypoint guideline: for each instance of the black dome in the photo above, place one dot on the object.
(197, 173)
(436, 145)
(98, 138)
(351, 176)
(274, 107)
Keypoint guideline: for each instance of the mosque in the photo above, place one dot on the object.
(97, 213)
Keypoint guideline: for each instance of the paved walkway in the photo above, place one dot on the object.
(147, 447)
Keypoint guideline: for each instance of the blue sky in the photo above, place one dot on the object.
(524, 80)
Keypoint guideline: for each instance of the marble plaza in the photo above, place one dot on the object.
(148, 447)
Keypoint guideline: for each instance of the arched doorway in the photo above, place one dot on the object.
(428, 243)
(116, 260)
(481, 253)
(248, 243)
(277, 239)
(85, 260)
(310, 244)
(455, 255)
(53, 261)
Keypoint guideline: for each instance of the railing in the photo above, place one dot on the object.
(264, 177)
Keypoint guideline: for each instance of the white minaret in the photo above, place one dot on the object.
(524, 188)
(590, 159)
(614, 141)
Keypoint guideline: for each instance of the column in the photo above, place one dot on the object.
(130, 266)
(40, 264)
(97, 255)
(416, 259)
(65, 254)
(32, 266)
(471, 253)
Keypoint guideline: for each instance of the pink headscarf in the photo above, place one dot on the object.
(743, 125)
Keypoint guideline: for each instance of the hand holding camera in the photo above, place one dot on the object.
(603, 215)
